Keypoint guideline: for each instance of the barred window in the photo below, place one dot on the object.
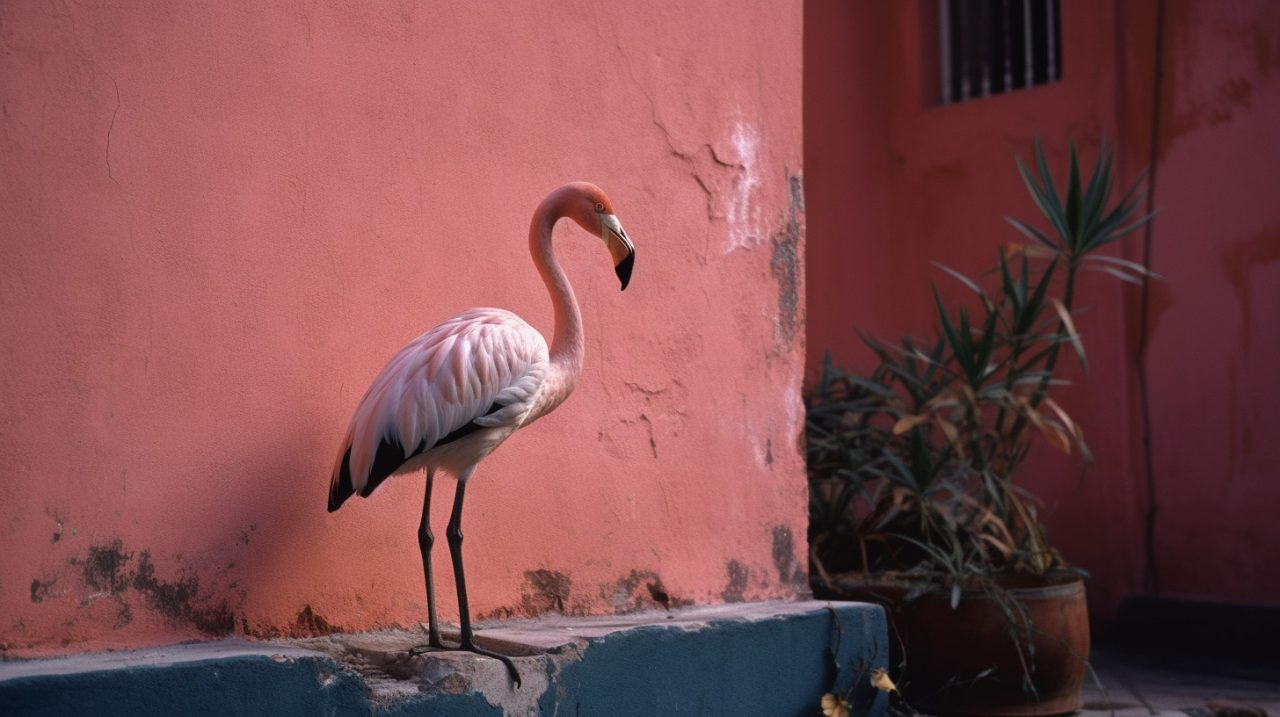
(987, 47)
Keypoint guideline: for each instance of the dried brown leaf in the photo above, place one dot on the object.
(1055, 436)
(906, 423)
(1072, 334)
(1013, 250)
(1067, 421)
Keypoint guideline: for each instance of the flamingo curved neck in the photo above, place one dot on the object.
(567, 346)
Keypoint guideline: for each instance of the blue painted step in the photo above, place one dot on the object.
(774, 659)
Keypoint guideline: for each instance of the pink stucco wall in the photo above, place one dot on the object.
(895, 181)
(1214, 357)
(933, 183)
(220, 219)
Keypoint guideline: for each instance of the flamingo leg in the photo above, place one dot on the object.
(425, 541)
(454, 535)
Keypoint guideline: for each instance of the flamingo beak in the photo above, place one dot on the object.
(620, 247)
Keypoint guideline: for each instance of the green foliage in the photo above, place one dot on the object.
(911, 466)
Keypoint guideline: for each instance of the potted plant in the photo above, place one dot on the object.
(913, 501)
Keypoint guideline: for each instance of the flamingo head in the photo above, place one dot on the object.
(593, 212)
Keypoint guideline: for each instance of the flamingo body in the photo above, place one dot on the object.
(455, 393)
(445, 401)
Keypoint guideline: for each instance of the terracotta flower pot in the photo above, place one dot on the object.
(966, 661)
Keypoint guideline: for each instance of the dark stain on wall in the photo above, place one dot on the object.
(174, 599)
(112, 570)
(658, 594)
(544, 591)
(40, 589)
(1239, 258)
(789, 572)
(1194, 98)
(737, 585)
(124, 616)
(104, 568)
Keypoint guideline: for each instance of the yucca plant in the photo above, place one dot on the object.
(911, 465)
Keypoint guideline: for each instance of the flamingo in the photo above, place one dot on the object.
(455, 393)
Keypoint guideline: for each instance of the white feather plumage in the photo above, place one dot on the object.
(443, 380)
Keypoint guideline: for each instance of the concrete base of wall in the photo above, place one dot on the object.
(742, 659)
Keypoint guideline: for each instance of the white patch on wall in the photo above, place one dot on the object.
(743, 216)
(770, 432)
(795, 408)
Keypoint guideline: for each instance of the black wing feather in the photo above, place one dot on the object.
(388, 459)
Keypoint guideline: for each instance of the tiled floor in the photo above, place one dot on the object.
(1140, 684)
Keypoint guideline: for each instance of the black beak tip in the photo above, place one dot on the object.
(624, 269)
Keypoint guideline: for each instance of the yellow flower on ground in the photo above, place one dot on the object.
(880, 680)
(833, 706)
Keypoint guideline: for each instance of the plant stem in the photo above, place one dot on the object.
(1051, 360)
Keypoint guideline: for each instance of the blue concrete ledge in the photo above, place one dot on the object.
(773, 659)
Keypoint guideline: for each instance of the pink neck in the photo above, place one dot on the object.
(567, 344)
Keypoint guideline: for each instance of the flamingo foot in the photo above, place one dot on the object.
(431, 646)
(472, 648)
(433, 640)
(511, 666)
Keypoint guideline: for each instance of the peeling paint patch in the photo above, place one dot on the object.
(743, 214)
(498, 613)
(544, 591)
(785, 263)
(737, 585)
(309, 622)
(641, 590)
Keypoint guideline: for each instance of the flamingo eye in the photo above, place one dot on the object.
(599, 207)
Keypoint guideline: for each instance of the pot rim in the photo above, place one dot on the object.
(1057, 586)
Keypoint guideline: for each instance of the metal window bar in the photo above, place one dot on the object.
(1005, 19)
(1028, 60)
(1051, 9)
(966, 49)
(989, 47)
(944, 48)
(983, 44)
